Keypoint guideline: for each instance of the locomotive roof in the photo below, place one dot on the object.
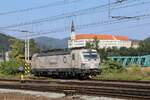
(54, 53)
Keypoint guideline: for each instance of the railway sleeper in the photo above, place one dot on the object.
(141, 93)
(133, 97)
(109, 85)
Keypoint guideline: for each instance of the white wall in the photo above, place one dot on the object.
(102, 43)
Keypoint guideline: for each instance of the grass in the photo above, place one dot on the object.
(27, 77)
(6, 76)
(132, 72)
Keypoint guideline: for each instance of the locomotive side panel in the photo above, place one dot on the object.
(76, 59)
(51, 62)
(64, 61)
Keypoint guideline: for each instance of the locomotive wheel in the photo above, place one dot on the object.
(91, 76)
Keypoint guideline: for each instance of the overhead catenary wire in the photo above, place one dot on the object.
(57, 3)
(75, 13)
(127, 27)
(94, 24)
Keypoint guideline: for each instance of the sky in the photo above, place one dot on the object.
(134, 29)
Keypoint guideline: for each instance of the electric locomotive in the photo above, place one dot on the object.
(79, 63)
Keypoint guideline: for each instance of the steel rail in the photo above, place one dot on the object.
(121, 89)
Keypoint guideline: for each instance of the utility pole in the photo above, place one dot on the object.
(27, 46)
(25, 55)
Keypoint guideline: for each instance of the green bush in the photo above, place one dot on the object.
(112, 67)
(134, 69)
(9, 67)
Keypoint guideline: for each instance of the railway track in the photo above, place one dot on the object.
(121, 89)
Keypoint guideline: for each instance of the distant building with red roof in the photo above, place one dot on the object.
(105, 40)
(100, 37)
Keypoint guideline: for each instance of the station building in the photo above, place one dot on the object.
(105, 40)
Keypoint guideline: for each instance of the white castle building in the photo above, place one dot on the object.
(105, 40)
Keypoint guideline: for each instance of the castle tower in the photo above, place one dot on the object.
(71, 41)
(72, 34)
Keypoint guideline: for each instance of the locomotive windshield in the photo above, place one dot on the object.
(90, 55)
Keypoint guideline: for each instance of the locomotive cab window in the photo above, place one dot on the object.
(90, 55)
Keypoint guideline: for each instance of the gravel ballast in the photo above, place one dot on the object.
(9, 94)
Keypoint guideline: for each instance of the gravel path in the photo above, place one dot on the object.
(7, 94)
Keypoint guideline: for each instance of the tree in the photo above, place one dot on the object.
(89, 45)
(33, 47)
(93, 44)
(144, 46)
(17, 49)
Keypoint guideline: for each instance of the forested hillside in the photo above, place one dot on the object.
(4, 42)
(46, 43)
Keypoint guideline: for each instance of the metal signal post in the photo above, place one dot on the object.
(27, 46)
(25, 55)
